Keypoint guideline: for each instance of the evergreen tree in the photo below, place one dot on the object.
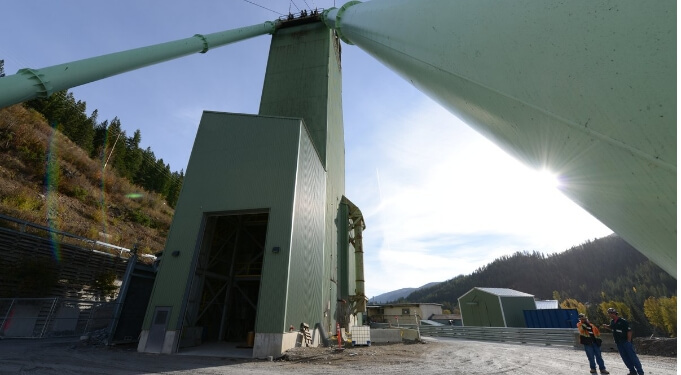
(115, 151)
(67, 114)
(108, 142)
(144, 174)
(133, 155)
(583, 277)
(175, 187)
(99, 141)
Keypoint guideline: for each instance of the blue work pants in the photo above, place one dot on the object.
(629, 357)
(593, 352)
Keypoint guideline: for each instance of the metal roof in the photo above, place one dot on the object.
(504, 292)
(406, 304)
(444, 316)
(546, 304)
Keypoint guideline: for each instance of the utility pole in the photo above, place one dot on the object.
(112, 150)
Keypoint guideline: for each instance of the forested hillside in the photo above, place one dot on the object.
(108, 142)
(603, 271)
(65, 170)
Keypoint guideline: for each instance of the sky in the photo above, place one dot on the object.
(439, 200)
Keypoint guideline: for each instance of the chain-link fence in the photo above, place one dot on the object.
(52, 317)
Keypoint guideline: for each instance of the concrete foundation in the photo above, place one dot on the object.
(169, 342)
(144, 335)
(390, 335)
(274, 344)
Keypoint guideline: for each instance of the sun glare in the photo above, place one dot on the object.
(546, 178)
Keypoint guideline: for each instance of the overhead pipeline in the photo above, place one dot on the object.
(29, 84)
(583, 88)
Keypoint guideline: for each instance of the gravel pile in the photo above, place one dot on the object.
(660, 346)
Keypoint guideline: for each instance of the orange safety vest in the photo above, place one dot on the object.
(588, 332)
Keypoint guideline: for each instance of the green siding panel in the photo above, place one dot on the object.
(296, 80)
(238, 162)
(305, 302)
(513, 310)
(293, 169)
(303, 80)
(480, 309)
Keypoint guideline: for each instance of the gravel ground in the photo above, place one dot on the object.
(441, 356)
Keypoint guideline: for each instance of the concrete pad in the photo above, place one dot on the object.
(218, 349)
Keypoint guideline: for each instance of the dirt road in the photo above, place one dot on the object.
(440, 356)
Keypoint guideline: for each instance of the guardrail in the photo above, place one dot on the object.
(546, 336)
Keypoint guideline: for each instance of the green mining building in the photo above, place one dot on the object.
(262, 234)
(263, 238)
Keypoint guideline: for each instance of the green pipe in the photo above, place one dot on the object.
(29, 84)
(583, 88)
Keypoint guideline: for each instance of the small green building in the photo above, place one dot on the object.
(495, 307)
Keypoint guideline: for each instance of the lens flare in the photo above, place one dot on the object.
(102, 200)
(51, 192)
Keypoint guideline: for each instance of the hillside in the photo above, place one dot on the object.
(607, 270)
(48, 180)
(398, 294)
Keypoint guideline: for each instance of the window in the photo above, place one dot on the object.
(405, 311)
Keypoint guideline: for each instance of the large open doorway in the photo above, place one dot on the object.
(223, 299)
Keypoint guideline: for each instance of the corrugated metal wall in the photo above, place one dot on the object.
(304, 80)
(242, 162)
(480, 309)
(513, 310)
(305, 286)
(238, 162)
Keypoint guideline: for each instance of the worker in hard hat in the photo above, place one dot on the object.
(590, 337)
(621, 332)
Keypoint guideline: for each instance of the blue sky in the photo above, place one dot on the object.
(439, 200)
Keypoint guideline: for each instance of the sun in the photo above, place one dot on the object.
(547, 179)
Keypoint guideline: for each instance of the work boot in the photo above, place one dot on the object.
(604, 372)
(593, 371)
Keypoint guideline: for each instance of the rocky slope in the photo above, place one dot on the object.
(47, 180)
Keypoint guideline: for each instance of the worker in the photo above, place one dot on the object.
(590, 337)
(621, 332)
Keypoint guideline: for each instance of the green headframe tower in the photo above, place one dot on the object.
(263, 238)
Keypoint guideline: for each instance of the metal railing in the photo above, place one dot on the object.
(545, 336)
(52, 317)
(23, 227)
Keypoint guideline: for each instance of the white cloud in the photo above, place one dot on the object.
(443, 201)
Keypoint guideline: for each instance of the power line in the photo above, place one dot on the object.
(274, 11)
(151, 161)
